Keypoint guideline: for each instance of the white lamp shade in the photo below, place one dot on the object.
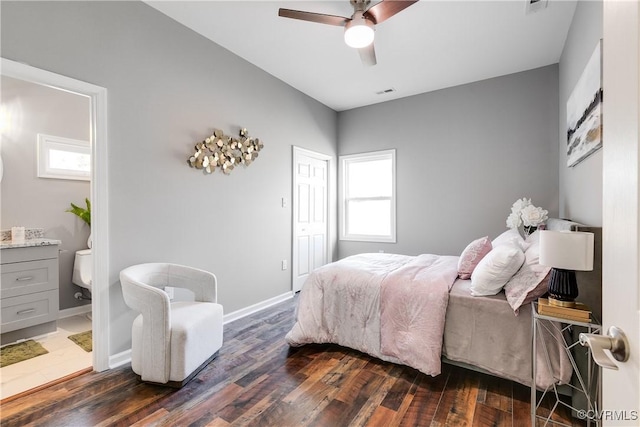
(358, 32)
(567, 250)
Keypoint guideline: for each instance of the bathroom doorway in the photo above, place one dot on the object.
(96, 104)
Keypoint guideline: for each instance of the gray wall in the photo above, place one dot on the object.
(40, 202)
(167, 89)
(464, 155)
(581, 185)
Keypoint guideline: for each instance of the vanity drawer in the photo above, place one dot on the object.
(28, 310)
(24, 278)
(31, 253)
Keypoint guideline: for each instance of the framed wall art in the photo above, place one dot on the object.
(584, 112)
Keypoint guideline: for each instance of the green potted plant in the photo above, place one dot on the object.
(84, 214)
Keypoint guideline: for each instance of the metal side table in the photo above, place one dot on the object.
(585, 383)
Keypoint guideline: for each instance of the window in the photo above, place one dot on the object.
(63, 158)
(368, 199)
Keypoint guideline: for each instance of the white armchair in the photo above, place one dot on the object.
(171, 341)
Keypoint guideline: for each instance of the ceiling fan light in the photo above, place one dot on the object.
(358, 33)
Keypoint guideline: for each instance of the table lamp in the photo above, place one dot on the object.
(566, 252)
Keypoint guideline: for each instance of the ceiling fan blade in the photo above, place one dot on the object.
(368, 55)
(339, 21)
(386, 9)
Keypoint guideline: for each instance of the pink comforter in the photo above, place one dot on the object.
(413, 304)
(389, 306)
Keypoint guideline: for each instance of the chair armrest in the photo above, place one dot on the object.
(154, 306)
(202, 283)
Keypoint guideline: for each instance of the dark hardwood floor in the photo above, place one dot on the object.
(257, 380)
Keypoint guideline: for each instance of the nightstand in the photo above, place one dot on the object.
(585, 382)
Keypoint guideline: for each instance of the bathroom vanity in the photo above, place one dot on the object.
(28, 288)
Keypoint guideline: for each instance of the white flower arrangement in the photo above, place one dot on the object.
(524, 213)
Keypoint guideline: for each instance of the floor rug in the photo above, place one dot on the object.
(84, 340)
(15, 353)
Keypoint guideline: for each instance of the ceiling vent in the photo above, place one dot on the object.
(382, 92)
(533, 6)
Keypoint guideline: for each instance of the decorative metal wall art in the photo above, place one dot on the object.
(225, 152)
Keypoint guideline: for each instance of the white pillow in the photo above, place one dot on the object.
(495, 269)
(511, 237)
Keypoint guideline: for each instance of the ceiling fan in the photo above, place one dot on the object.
(358, 30)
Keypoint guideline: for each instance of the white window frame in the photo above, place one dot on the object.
(344, 162)
(46, 143)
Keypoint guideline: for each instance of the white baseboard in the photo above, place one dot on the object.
(247, 311)
(74, 311)
(120, 359)
(125, 356)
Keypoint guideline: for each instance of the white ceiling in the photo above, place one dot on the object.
(429, 46)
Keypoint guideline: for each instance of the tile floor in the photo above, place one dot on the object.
(64, 358)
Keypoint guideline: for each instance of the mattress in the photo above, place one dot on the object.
(484, 332)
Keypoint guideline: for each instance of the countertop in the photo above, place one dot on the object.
(8, 244)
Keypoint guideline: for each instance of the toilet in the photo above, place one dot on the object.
(82, 269)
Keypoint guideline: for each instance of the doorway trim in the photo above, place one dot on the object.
(294, 204)
(99, 193)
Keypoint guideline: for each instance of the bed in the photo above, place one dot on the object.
(415, 311)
